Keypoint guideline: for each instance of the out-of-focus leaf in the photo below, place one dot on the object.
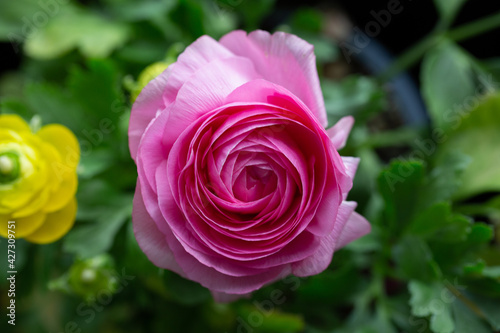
(414, 259)
(440, 224)
(447, 82)
(94, 163)
(426, 300)
(445, 178)
(13, 105)
(95, 238)
(329, 287)
(250, 12)
(56, 106)
(273, 321)
(16, 19)
(185, 291)
(448, 9)
(360, 96)
(97, 89)
(466, 321)
(307, 19)
(480, 233)
(489, 307)
(477, 136)
(73, 28)
(491, 208)
(141, 10)
(400, 185)
(217, 22)
(493, 66)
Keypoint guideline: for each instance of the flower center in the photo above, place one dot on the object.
(9, 167)
(254, 183)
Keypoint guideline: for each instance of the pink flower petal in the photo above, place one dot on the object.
(355, 228)
(144, 110)
(206, 91)
(351, 166)
(320, 260)
(284, 59)
(196, 56)
(150, 239)
(340, 131)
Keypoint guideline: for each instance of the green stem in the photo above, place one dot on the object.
(410, 57)
(475, 28)
(413, 55)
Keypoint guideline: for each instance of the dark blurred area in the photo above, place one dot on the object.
(414, 22)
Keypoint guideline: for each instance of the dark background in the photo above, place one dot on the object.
(416, 20)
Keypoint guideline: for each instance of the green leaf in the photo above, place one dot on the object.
(94, 163)
(356, 95)
(439, 224)
(250, 12)
(447, 84)
(97, 90)
(273, 320)
(466, 321)
(480, 233)
(489, 307)
(414, 259)
(400, 185)
(490, 209)
(307, 19)
(445, 178)
(492, 272)
(448, 9)
(185, 291)
(95, 238)
(426, 300)
(329, 287)
(13, 105)
(144, 10)
(94, 36)
(55, 106)
(16, 23)
(477, 136)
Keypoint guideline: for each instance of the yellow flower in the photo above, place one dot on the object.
(38, 180)
(148, 74)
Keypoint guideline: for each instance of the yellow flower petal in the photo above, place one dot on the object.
(34, 205)
(24, 225)
(33, 178)
(64, 141)
(14, 122)
(56, 225)
(64, 193)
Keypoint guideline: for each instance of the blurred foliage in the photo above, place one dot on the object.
(431, 264)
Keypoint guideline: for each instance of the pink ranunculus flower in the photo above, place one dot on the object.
(239, 183)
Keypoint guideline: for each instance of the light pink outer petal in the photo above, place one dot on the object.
(283, 59)
(147, 104)
(162, 91)
(351, 166)
(355, 228)
(340, 131)
(196, 56)
(150, 239)
(348, 226)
